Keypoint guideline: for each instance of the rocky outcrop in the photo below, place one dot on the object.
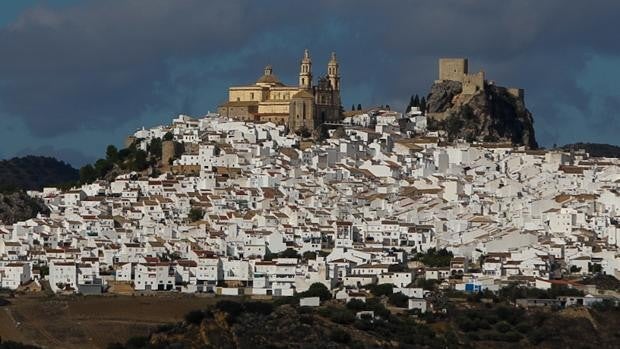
(492, 114)
(18, 206)
(441, 96)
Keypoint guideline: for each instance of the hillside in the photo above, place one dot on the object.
(595, 149)
(251, 324)
(34, 172)
(17, 206)
(491, 114)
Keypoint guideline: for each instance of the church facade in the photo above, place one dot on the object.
(302, 108)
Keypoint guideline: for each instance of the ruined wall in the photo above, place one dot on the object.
(168, 151)
(518, 93)
(473, 83)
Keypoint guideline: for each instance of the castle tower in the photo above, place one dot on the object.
(332, 72)
(305, 72)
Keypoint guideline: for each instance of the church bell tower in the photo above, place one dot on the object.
(332, 72)
(305, 72)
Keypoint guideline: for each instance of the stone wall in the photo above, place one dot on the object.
(453, 69)
(473, 83)
(168, 151)
(518, 93)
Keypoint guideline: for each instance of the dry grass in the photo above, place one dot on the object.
(91, 322)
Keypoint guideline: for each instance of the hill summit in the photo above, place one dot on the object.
(34, 172)
(469, 107)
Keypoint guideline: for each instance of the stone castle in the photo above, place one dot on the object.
(302, 107)
(456, 69)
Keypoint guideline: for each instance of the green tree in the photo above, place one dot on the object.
(381, 289)
(102, 167)
(356, 305)
(594, 268)
(155, 147)
(139, 162)
(434, 258)
(359, 107)
(195, 317)
(87, 174)
(168, 136)
(423, 105)
(111, 153)
(289, 253)
(399, 300)
(317, 289)
(196, 214)
(416, 101)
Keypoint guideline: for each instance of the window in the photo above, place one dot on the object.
(252, 95)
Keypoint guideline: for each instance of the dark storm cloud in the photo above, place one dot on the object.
(96, 64)
(99, 62)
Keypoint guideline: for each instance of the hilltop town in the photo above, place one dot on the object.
(244, 203)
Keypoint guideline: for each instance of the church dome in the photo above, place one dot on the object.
(268, 77)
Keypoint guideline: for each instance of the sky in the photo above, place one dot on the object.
(77, 75)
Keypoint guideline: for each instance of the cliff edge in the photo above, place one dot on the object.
(491, 114)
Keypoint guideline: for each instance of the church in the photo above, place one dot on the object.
(302, 108)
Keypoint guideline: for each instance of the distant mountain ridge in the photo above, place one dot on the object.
(34, 172)
(595, 149)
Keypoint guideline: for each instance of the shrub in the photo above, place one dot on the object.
(317, 289)
(356, 305)
(136, 342)
(195, 317)
(340, 336)
(196, 214)
(363, 325)
(233, 309)
(537, 336)
(375, 305)
(258, 307)
(523, 327)
(381, 289)
(340, 315)
(511, 315)
(399, 300)
(502, 327)
(511, 337)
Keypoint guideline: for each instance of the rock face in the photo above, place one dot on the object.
(492, 114)
(18, 206)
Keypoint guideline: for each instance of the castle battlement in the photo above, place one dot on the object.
(457, 69)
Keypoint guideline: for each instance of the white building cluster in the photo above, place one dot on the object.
(279, 215)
